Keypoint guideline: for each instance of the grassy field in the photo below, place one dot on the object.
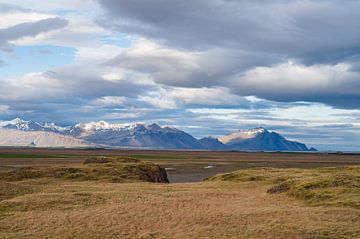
(298, 196)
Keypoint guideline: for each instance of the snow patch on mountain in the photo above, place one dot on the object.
(29, 125)
(103, 125)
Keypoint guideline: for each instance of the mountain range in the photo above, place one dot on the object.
(19, 132)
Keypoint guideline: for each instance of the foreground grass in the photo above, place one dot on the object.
(338, 186)
(65, 209)
(256, 203)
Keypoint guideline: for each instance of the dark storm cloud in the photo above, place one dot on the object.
(30, 29)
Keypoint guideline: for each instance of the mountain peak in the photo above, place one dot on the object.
(242, 135)
(16, 123)
(18, 120)
(154, 126)
(260, 139)
(29, 125)
(258, 130)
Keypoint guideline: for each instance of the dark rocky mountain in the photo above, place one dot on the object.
(152, 136)
(260, 139)
(212, 143)
(135, 135)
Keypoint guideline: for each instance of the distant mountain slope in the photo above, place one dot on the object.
(14, 137)
(212, 143)
(261, 139)
(135, 135)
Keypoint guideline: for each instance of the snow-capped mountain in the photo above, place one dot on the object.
(140, 136)
(135, 135)
(29, 125)
(242, 135)
(260, 139)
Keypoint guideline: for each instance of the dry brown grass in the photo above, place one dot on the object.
(49, 207)
(63, 209)
(115, 169)
(336, 186)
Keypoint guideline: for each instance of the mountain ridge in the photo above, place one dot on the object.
(139, 135)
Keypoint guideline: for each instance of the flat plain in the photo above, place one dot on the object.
(253, 195)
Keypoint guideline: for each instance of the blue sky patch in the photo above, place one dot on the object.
(27, 59)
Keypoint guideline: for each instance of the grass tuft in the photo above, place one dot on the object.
(317, 187)
(9, 190)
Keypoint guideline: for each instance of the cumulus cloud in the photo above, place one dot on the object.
(336, 84)
(71, 89)
(30, 29)
(79, 31)
(245, 46)
(54, 5)
(207, 96)
(309, 29)
(4, 109)
(184, 68)
(4, 8)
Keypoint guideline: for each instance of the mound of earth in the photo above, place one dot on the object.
(115, 169)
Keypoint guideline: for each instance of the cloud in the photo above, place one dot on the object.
(297, 29)
(184, 68)
(336, 85)
(97, 54)
(30, 29)
(241, 74)
(79, 31)
(4, 8)
(245, 46)
(4, 109)
(207, 96)
(54, 5)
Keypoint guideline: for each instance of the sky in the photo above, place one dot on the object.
(209, 67)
